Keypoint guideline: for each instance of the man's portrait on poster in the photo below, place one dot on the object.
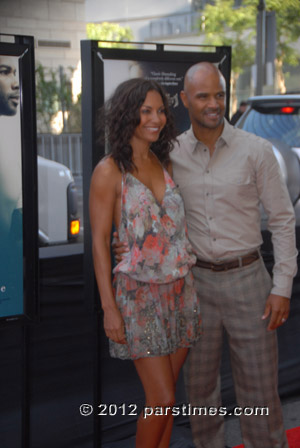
(11, 269)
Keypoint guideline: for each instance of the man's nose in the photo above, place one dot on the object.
(213, 102)
(15, 83)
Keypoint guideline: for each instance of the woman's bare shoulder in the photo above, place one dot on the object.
(106, 172)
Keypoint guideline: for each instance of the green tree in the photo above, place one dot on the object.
(224, 24)
(46, 97)
(53, 94)
(110, 32)
(288, 32)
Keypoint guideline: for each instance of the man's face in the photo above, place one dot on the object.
(9, 86)
(204, 97)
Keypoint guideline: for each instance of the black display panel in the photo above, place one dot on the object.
(105, 68)
(18, 181)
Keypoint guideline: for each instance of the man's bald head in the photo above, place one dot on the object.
(199, 70)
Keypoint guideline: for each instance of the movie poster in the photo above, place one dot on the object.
(168, 74)
(11, 202)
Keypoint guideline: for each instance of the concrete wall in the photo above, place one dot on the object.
(137, 14)
(57, 26)
(133, 9)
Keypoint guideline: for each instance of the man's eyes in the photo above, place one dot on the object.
(204, 96)
(6, 72)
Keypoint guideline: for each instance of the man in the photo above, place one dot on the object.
(10, 145)
(223, 175)
(9, 86)
(236, 116)
(11, 257)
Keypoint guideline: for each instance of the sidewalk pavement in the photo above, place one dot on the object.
(181, 436)
(291, 417)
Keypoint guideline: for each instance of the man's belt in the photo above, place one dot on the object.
(232, 264)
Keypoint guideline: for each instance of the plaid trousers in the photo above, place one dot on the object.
(234, 300)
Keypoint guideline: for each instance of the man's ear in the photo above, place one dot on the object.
(184, 98)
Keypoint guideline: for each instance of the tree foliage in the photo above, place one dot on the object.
(288, 32)
(287, 28)
(54, 94)
(46, 97)
(53, 87)
(109, 32)
(224, 24)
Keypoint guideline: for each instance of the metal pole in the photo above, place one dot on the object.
(260, 46)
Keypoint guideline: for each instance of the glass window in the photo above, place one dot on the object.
(273, 124)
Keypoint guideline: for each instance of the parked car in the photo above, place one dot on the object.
(277, 118)
(57, 200)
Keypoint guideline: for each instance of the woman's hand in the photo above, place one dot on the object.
(105, 194)
(114, 325)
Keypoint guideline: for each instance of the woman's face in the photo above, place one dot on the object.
(152, 118)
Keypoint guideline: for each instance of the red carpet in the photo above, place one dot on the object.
(293, 436)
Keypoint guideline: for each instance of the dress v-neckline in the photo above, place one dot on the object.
(160, 203)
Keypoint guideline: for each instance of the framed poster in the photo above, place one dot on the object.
(168, 73)
(18, 181)
(106, 68)
(103, 69)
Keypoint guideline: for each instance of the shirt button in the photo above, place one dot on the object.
(207, 194)
(205, 149)
(214, 239)
(207, 171)
(210, 217)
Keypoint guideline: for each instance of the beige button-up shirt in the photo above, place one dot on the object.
(222, 196)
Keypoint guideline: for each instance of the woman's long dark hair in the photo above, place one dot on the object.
(121, 115)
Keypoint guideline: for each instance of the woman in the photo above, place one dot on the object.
(151, 312)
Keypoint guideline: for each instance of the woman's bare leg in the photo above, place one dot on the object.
(177, 360)
(157, 377)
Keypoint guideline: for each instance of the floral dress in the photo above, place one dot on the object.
(153, 284)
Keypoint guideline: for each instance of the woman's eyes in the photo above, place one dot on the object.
(149, 111)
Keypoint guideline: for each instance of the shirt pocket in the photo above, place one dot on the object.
(239, 184)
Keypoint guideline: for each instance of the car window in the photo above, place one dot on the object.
(272, 125)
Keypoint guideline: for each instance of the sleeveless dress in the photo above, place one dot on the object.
(153, 284)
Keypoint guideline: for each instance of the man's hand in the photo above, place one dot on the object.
(119, 248)
(278, 308)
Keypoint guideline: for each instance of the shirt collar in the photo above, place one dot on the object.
(225, 136)
(227, 133)
(193, 141)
